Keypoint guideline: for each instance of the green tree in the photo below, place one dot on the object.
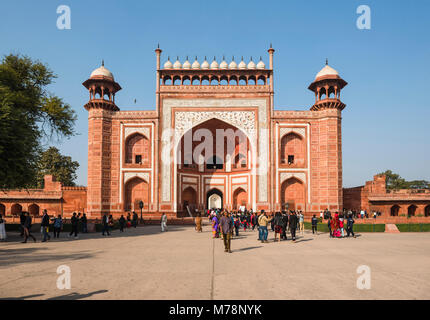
(29, 114)
(395, 182)
(61, 167)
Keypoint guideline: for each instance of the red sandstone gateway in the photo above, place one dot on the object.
(285, 159)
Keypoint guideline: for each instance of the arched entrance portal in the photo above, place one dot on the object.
(136, 190)
(189, 199)
(240, 198)
(16, 209)
(293, 194)
(214, 199)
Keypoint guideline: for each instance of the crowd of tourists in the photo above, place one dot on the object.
(227, 224)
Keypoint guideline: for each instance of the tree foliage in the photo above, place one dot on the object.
(396, 182)
(61, 167)
(28, 114)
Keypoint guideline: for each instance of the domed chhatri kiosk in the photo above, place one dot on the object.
(253, 156)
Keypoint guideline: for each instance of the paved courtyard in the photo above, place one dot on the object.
(144, 263)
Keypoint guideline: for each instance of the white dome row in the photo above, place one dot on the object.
(214, 65)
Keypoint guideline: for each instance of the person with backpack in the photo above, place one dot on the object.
(58, 225)
(314, 222)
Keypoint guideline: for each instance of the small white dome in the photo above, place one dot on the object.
(168, 64)
(261, 65)
(214, 64)
(242, 64)
(196, 64)
(223, 65)
(205, 64)
(232, 65)
(251, 64)
(326, 71)
(102, 71)
(177, 64)
(186, 65)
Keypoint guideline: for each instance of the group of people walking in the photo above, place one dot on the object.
(337, 225)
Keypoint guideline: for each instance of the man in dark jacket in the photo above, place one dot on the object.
(105, 224)
(349, 226)
(314, 222)
(84, 221)
(135, 217)
(27, 228)
(22, 221)
(329, 227)
(45, 226)
(121, 223)
(74, 220)
(293, 225)
(284, 225)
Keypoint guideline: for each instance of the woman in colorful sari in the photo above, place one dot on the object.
(335, 226)
(215, 222)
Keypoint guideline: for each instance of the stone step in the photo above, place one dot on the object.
(391, 228)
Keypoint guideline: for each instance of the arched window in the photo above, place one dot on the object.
(186, 81)
(411, 210)
(292, 150)
(196, 81)
(323, 94)
(16, 209)
(233, 81)
(2, 209)
(33, 209)
(261, 80)
(167, 80)
(176, 81)
(427, 211)
(137, 150)
(394, 211)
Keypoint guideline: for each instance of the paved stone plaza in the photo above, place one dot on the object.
(144, 263)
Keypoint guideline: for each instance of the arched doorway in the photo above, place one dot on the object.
(189, 199)
(214, 199)
(33, 209)
(394, 212)
(411, 210)
(427, 211)
(240, 198)
(2, 209)
(136, 190)
(16, 209)
(293, 194)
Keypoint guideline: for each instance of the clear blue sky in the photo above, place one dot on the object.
(386, 121)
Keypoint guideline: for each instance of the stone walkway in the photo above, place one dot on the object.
(144, 263)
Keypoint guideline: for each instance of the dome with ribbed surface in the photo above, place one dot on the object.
(214, 64)
(177, 64)
(251, 65)
(205, 64)
(326, 71)
(196, 64)
(261, 65)
(168, 64)
(233, 64)
(186, 65)
(242, 64)
(102, 71)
